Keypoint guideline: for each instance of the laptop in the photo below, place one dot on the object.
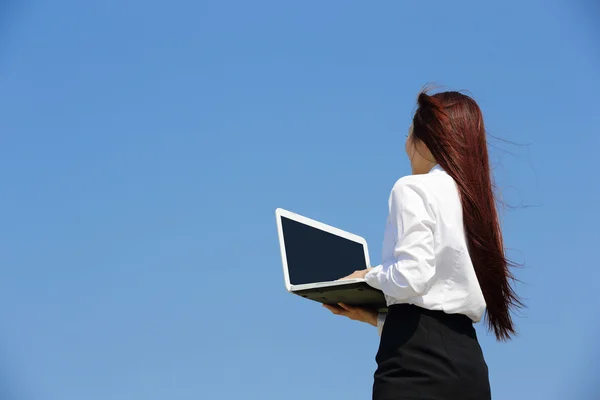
(315, 256)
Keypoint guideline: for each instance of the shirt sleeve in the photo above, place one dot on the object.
(409, 272)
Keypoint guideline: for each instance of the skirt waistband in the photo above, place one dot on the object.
(401, 311)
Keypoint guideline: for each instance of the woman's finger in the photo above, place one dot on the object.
(336, 310)
(349, 309)
(344, 311)
(331, 308)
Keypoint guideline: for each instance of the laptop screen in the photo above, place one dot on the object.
(314, 255)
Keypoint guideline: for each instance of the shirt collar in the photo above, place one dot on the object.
(437, 168)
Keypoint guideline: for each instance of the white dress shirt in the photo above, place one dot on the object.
(425, 259)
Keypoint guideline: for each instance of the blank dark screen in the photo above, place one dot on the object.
(314, 255)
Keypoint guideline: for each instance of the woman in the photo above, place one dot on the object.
(443, 261)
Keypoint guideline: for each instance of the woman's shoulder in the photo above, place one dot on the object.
(413, 192)
(429, 183)
(430, 190)
(422, 184)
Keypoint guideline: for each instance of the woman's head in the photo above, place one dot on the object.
(448, 130)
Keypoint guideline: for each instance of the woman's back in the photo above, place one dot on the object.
(447, 283)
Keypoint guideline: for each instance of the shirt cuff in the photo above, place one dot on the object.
(371, 277)
(380, 322)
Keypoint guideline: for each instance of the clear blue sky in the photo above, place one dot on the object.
(145, 147)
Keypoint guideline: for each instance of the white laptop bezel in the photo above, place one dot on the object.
(280, 212)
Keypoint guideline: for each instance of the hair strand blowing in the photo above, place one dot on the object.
(451, 125)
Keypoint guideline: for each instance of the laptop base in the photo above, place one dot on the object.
(355, 294)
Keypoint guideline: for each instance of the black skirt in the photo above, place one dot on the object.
(429, 355)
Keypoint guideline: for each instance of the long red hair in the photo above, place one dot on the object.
(451, 125)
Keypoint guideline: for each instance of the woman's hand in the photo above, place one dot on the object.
(355, 313)
(357, 274)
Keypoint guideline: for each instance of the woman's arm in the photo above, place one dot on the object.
(355, 313)
(408, 273)
(368, 316)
